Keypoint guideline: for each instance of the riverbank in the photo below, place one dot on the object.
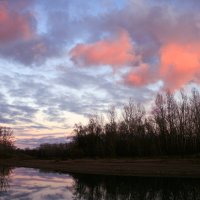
(187, 168)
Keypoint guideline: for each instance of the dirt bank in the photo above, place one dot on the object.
(121, 167)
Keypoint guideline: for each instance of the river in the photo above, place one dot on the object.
(35, 184)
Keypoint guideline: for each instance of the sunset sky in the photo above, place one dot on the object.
(61, 61)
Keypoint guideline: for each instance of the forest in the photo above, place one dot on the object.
(171, 127)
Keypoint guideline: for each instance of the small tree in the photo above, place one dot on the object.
(6, 141)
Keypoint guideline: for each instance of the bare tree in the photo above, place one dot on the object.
(6, 141)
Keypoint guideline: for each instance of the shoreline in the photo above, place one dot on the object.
(177, 168)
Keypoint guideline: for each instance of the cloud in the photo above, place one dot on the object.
(14, 25)
(140, 76)
(180, 64)
(15, 113)
(153, 29)
(116, 52)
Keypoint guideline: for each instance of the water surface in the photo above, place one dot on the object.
(33, 184)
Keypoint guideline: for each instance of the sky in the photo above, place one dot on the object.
(63, 61)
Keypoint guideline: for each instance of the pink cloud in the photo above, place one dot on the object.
(13, 25)
(180, 64)
(140, 76)
(116, 52)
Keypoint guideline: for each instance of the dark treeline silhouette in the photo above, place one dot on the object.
(6, 142)
(47, 151)
(171, 127)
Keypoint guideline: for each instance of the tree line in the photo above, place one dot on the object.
(171, 127)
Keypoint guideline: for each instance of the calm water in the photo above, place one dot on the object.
(28, 184)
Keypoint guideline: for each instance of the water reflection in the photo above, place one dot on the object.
(120, 188)
(4, 178)
(31, 184)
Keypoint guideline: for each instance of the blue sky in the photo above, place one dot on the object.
(61, 61)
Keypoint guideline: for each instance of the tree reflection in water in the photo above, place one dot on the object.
(89, 187)
(4, 178)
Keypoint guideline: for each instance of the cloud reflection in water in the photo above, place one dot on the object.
(33, 184)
